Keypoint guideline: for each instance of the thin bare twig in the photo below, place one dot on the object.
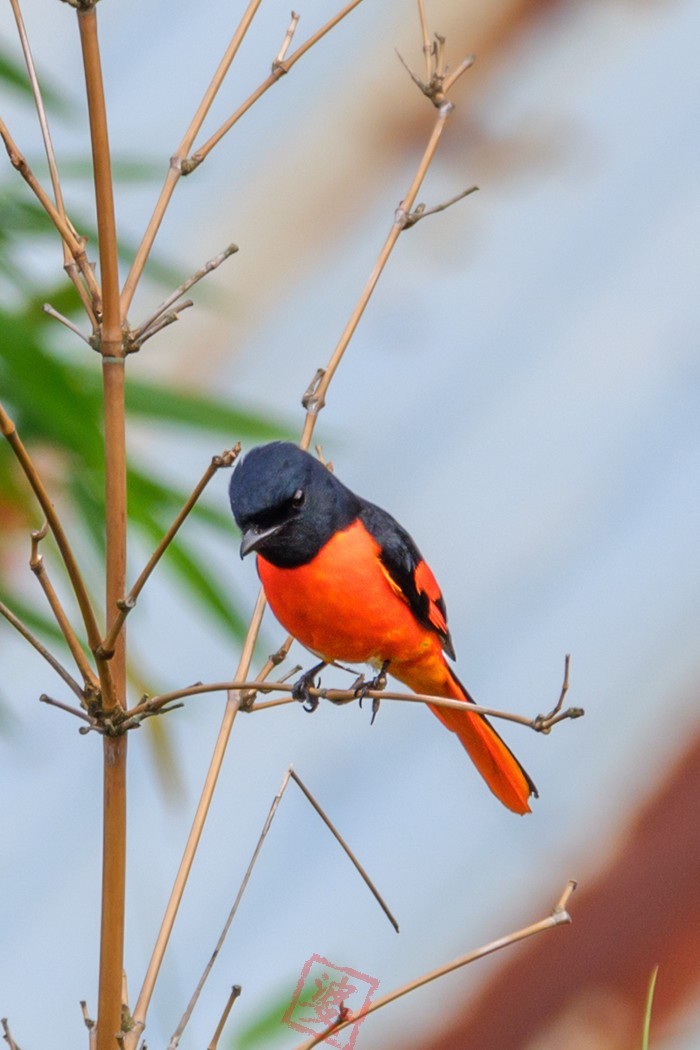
(48, 309)
(288, 37)
(90, 1025)
(58, 667)
(544, 723)
(7, 1035)
(176, 161)
(184, 1020)
(315, 398)
(558, 917)
(280, 67)
(421, 212)
(68, 262)
(326, 820)
(212, 264)
(143, 1002)
(273, 661)
(36, 564)
(428, 47)
(75, 244)
(8, 429)
(125, 605)
(540, 723)
(163, 321)
(235, 992)
(44, 699)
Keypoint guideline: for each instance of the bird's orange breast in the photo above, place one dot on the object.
(343, 605)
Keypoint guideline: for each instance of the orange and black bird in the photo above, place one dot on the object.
(348, 582)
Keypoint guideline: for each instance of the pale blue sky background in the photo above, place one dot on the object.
(522, 394)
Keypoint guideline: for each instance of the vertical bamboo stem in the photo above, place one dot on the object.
(115, 749)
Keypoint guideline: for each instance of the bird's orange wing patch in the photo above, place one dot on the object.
(428, 585)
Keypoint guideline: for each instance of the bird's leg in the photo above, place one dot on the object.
(300, 689)
(376, 684)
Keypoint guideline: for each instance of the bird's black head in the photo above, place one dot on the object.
(287, 504)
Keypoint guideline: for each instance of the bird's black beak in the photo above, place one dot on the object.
(254, 536)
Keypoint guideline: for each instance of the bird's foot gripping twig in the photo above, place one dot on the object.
(301, 688)
(376, 684)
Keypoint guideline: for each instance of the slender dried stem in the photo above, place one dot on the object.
(7, 1035)
(90, 1025)
(144, 999)
(316, 397)
(184, 1020)
(125, 605)
(540, 723)
(68, 263)
(235, 992)
(44, 699)
(428, 50)
(139, 334)
(233, 704)
(421, 212)
(280, 67)
(273, 661)
(58, 667)
(558, 917)
(48, 309)
(175, 169)
(339, 838)
(8, 429)
(75, 244)
(36, 564)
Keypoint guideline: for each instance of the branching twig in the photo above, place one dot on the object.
(421, 212)
(273, 661)
(184, 1020)
(315, 397)
(544, 723)
(176, 161)
(326, 820)
(558, 917)
(133, 346)
(280, 67)
(75, 244)
(286, 43)
(8, 429)
(125, 605)
(58, 667)
(428, 48)
(68, 261)
(540, 723)
(139, 334)
(48, 309)
(44, 699)
(36, 564)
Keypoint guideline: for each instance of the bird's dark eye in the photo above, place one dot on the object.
(298, 498)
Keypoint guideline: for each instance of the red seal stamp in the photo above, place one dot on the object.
(325, 994)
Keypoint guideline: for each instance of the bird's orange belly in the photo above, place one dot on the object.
(343, 605)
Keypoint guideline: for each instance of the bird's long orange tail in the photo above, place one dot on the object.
(494, 760)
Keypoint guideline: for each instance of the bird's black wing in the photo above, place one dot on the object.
(409, 571)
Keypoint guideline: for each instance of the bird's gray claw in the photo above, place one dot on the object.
(303, 685)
